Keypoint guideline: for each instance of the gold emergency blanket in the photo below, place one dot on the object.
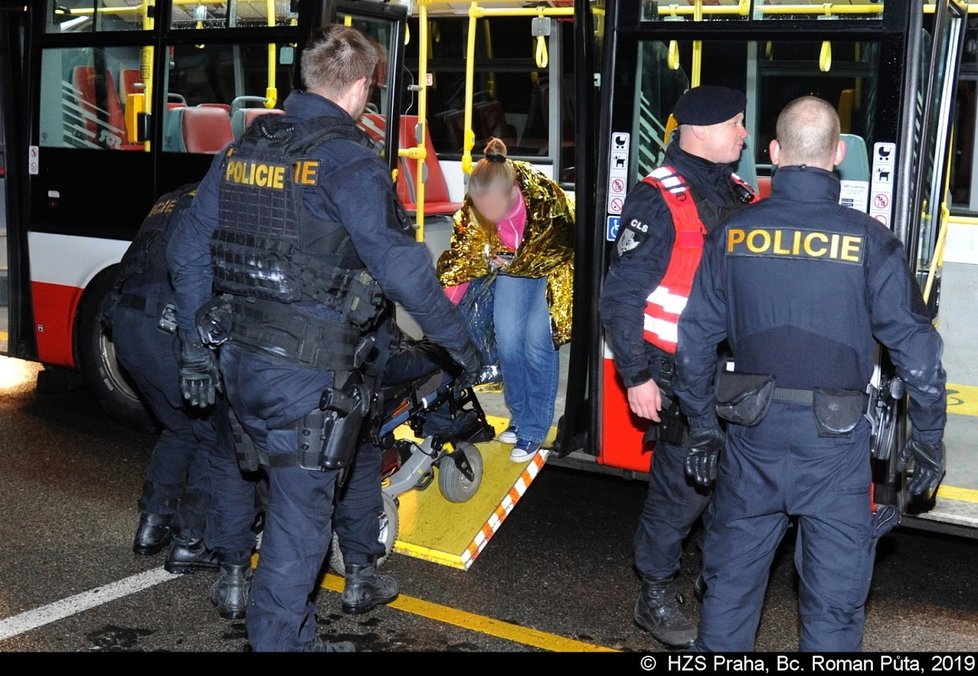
(547, 248)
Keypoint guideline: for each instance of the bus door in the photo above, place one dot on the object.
(853, 55)
(384, 25)
(943, 259)
(16, 336)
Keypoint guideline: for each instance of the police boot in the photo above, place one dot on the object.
(186, 557)
(658, 612)
(230, 592)
(320, 646)
(365, 589)
(153, 533)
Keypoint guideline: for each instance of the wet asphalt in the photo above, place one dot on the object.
(70, 477)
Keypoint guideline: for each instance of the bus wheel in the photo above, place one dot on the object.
(105, 377)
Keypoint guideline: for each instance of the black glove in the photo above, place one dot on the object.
(703, 453)
(200, 380)
(469, 360)
(928, 466)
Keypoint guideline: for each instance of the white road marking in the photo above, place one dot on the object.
(59, 610)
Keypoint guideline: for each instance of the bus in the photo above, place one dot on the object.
(109, 103)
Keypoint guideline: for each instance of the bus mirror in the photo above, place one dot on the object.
(286, 55)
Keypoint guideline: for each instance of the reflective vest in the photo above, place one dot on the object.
(664, 305)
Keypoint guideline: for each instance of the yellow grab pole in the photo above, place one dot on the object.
(271, 91)
(422, 128)
(694, 80)
(146, 65)
(469, 135)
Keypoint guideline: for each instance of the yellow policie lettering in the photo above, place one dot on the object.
(306, 172)
(163, 208)
(245, 172)
(795, 243)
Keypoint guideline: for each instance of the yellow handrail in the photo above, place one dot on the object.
(743, 9)
(271, 91)
(146, 57)
(468, 141)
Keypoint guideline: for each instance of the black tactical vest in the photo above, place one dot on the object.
(144, 263)
(268, 246)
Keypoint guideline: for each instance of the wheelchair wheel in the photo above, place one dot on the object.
(454, 485)
(389, 524)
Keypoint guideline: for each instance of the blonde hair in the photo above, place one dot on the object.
(335, 57)
(492, 170)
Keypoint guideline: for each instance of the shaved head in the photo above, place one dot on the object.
(808, 133)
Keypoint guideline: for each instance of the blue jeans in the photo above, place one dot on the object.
(529, 362)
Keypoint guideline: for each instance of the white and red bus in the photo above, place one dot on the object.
(107, 104)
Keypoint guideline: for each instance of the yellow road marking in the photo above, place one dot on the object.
(962, 399)
(959, 494)
(480, 623)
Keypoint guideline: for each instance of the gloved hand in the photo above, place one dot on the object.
(200, 380)
(703, 453)
(469, 359)
(929, 466)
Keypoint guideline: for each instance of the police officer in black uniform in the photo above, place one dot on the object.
(800, 287)
(194, 491)
(655, 256)
(298, 226)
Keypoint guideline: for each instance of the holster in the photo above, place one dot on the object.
(672, 425)
(244, 447)
(328, 436)
(837, 412)
(743, 398)
(214, 321)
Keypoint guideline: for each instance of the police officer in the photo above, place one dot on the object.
(800, 286)
(652, 266)
(194, 492)
(309, 248)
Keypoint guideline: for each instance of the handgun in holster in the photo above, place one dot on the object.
(671, 427)
(328, 436)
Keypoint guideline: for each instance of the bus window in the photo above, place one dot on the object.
(374, 121)
(732, 10)
(777, 73)
(243, 14)
(515, 99)
(83, 94)
(82, 16)
(215, 91)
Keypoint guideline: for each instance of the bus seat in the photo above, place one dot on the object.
(437, 201)
(101, 121)
(128, 79)
(763, 187)
(855, 166)
(206, 129)
(226, 107)
(374, 125)
(492, 122)
(243, 117)
(173, 128)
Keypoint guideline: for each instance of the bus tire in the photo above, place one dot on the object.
(108, 382)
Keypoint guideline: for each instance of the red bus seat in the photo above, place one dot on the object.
(128, 79)
(436, 201)
(206, 129)
(106, 123)
(226, 107)
(374, 125)
(243, 117)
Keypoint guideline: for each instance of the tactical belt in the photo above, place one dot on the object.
(151, 304)
(789, 396)
(285, 332)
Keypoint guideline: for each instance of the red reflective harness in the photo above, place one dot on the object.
(667, 301)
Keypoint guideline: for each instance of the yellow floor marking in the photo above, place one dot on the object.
(480, 623)
(959, 494)
(962, 399)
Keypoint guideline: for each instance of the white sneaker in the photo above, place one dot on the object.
(508, 435)
(523, 451)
